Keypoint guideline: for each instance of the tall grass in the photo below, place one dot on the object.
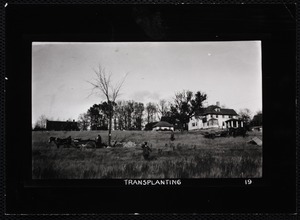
(189, 156)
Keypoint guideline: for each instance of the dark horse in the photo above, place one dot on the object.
(61, 141)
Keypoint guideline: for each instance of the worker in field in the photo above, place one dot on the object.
(98, 141)
(146, 151)
(172, 138)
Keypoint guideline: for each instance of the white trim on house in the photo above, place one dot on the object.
(163, 126)
(163, 129)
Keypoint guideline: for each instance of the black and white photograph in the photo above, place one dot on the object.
(147, 110)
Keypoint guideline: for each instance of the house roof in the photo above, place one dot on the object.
(216, 110)
(60, 122)
(233, 119)
(163, 124)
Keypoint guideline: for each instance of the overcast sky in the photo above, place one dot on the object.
(228, 72)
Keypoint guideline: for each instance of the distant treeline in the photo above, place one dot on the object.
(132, 115)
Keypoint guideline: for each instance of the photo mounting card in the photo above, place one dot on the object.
(151, 107)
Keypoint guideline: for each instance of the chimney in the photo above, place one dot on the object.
(218, 104)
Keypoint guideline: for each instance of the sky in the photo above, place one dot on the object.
(228, 72)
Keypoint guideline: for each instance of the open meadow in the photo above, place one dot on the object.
(190, 155)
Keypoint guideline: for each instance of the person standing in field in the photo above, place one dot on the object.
(98, 141)
(172, 138)
(146, 151)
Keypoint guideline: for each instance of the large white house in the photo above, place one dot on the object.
(215, 117)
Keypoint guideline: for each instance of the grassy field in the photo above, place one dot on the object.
(189, 156)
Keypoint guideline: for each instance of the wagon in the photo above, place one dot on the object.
(213, 134)
(88, 143)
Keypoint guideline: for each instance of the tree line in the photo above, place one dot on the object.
(132, 115)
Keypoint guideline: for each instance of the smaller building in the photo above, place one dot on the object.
(163, 126)
(62, 126)
(149, 126)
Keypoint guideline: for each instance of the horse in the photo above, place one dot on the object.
(61, 141)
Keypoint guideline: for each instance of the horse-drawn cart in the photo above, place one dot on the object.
(77, 142)
(234, 132)
(216, 133)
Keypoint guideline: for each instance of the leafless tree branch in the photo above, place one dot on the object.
(103, 83)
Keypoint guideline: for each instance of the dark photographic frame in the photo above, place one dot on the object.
(273, 25)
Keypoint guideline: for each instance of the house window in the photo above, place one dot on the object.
(223, 116)
(230, 116)
(193, 124)
(217, 116)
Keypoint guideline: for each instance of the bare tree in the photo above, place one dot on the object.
(138, 115)
(129, 110)
(83, 121)
(245, 115)
(162, 108)
(103, 84)
(41, 123)
(151, 110)
(120, 116)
